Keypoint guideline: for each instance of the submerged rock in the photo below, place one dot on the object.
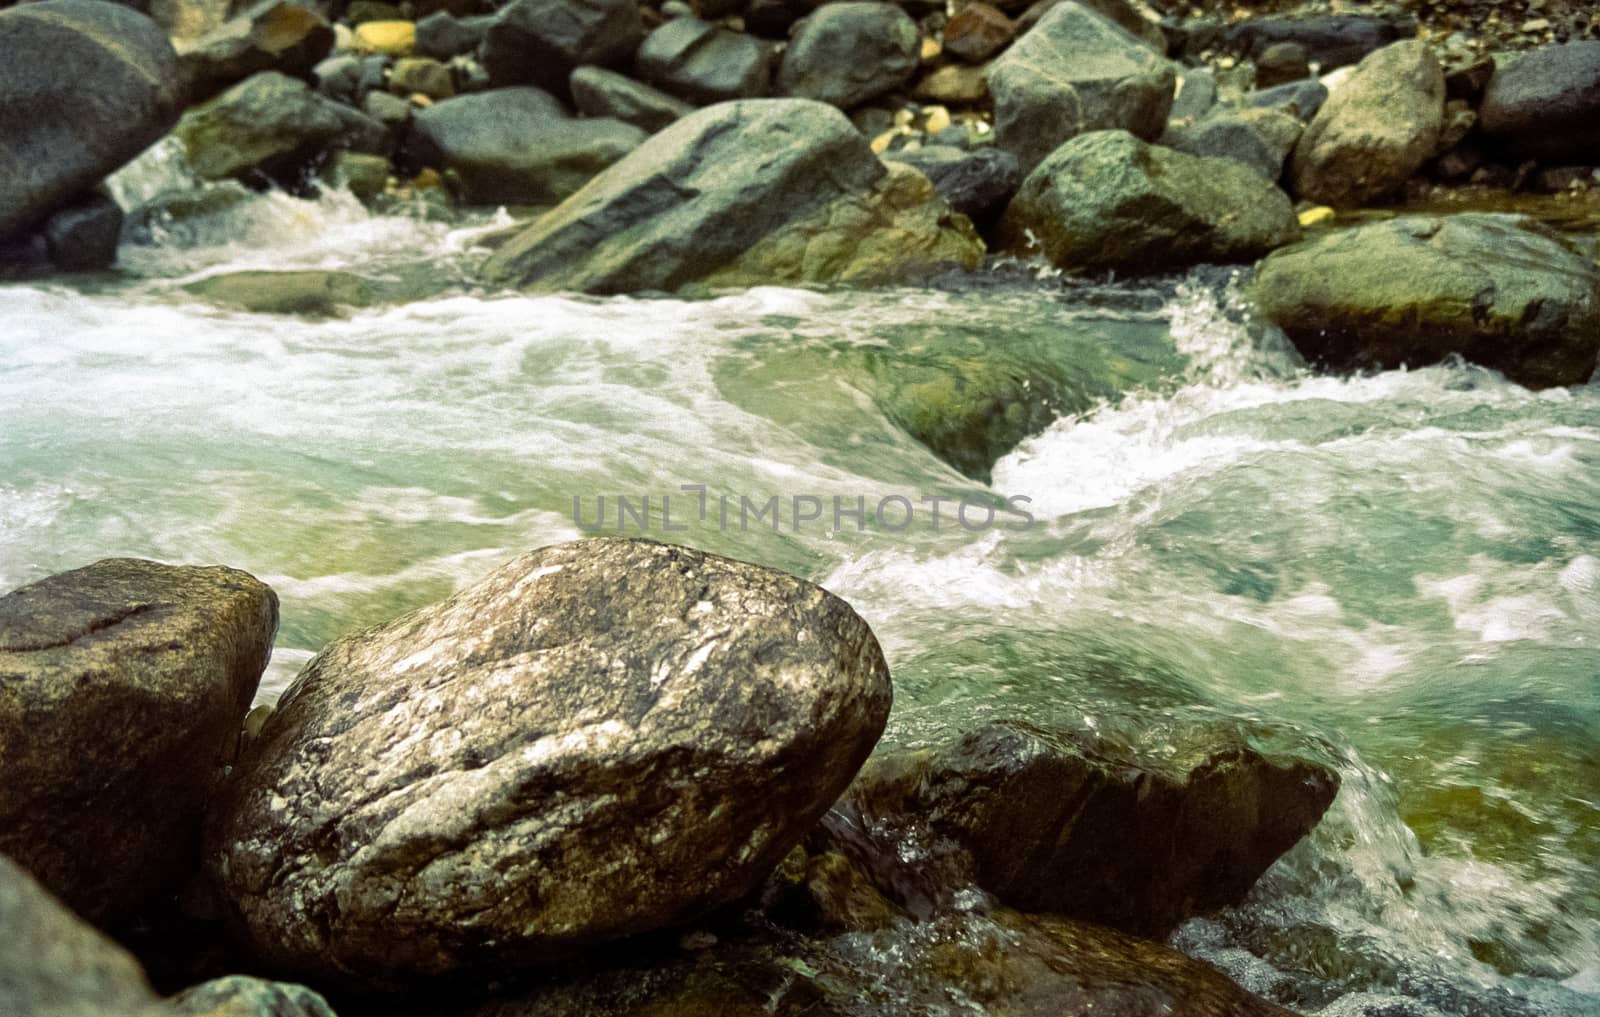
(310, 291)
(84, 87)
(1107, 200)
(729, 192)
(1545, 104)
(850, 53)
(125, 683)
(600, 739)
(1500, 291)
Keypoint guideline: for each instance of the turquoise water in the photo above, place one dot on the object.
(1403, 568)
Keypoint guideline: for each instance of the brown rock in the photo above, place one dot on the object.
(977, 33)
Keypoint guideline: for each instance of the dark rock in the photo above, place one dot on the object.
(978, 184)
(516, 146)
(441, 35)
(1545, 104)
(1459, 163)
(1196, 95)
(700, 197)
(125, 685)
(1329, 40)
(272, 127)
(702, 63)
(1563, 178)
(312, 292)
(541, 42)
(1281, 62)
(84, 87)
(1121, 13)
(1137, 831)
(601, 93)
(1375, 132)
(772, 19)
(1107, 200)
(1260, 138)
(1072, 73)
(1459, 119)
(977, 32)
(455, 792)
(1302, 99)
(271, 36)
(242, 996)
(850, 53)
(83, 236)
(1468, 80)
(1497, 290)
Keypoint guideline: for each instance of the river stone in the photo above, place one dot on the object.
(516, 146)
(977, 32)
(1545, 105)
(122, 687)
(1107, 200)
(850, 53)
(274, 35)
(441, 35)
(1331, 40)
(1135, 831)
(598, 92)
(541, 42)
(1260, 138)
(700, 62)
(1375, 131)
(271, 127)
(315, 292)
(599, 739)
(1500, 291)
(978, 184)
(84, 87)
(953, 83)
(1076, 72)
(1300, 99)
(243, 996)
(56, 965)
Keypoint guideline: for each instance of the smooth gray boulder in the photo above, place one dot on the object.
(1107, 200)
(850, 53)
(1500, 291)
(598, 92)
(702, 63)
(516, 146)
(441, 35)
(84, 87)
(1374, 132)
(122, 688)
(1076, 72)
(541, 42)
(1260, 138)
(1545, 104)
(600, 739)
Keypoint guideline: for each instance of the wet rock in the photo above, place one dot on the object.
(1376, 130)
(83, 236)
(312, 292)
(1072, 73)
(1330, 41)
(516, 146)
(1281, 62)
(1545, 105)
(1302, 99)
(242, 996)
(697, 61)
(954, 84)
(271, 36)
(541, 42)
(1107, 200)
(600, 739)
(55, 965)
(421, 76)
(977, 32)
(1260, 138)
(1137, 830)
(850, 53)
(1497, 290)
(366, 176)
(125, 684)
(695, 198)
(271, 127)
(601, 93)
(84, 87)
(441, 35)
(978, 184)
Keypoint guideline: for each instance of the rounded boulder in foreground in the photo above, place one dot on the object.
(599, 739)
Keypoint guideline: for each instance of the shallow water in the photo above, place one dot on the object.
(1404, 567)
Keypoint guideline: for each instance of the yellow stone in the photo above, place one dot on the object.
(391, 38)
(931, 48)
(1312, 216)
(938, 119)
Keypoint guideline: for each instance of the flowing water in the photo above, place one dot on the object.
(1403, 567)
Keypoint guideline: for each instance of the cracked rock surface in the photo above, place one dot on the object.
(599, 739)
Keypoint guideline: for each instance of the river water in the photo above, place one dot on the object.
(1403, 567)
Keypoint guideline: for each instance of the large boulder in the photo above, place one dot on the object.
(699, 197)
(1076, 72)
(517, 146)
(122, 688)
(272, 128)
(1375, 131)
(274, 35)
(701, 62)
(1545, 104)
(849, 53)
(541, 42)
(1107, 200)
(1260, 138)
(599, 739)
(84, 87)
(1500, 291)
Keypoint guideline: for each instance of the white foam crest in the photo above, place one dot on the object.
(25, 515)
(1552, 601)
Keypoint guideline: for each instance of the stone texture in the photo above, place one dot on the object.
(953, 84)
(1545, 105)
(598, 92)
(122, 688)
(1375, 131)
(1497, 290)
(243, 996)
(702, 63)
(271, 36)
(312, 291)
(978, 184)
(599, 739)
(977, 32)
(1280, 63)
(1259, 138)
(441, 35)
(1072, 73)
(84, 87)
(1332, 40)
(1107, 200)
(421, 76)
(1300, 99)
(541, 42)
(850, 53)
